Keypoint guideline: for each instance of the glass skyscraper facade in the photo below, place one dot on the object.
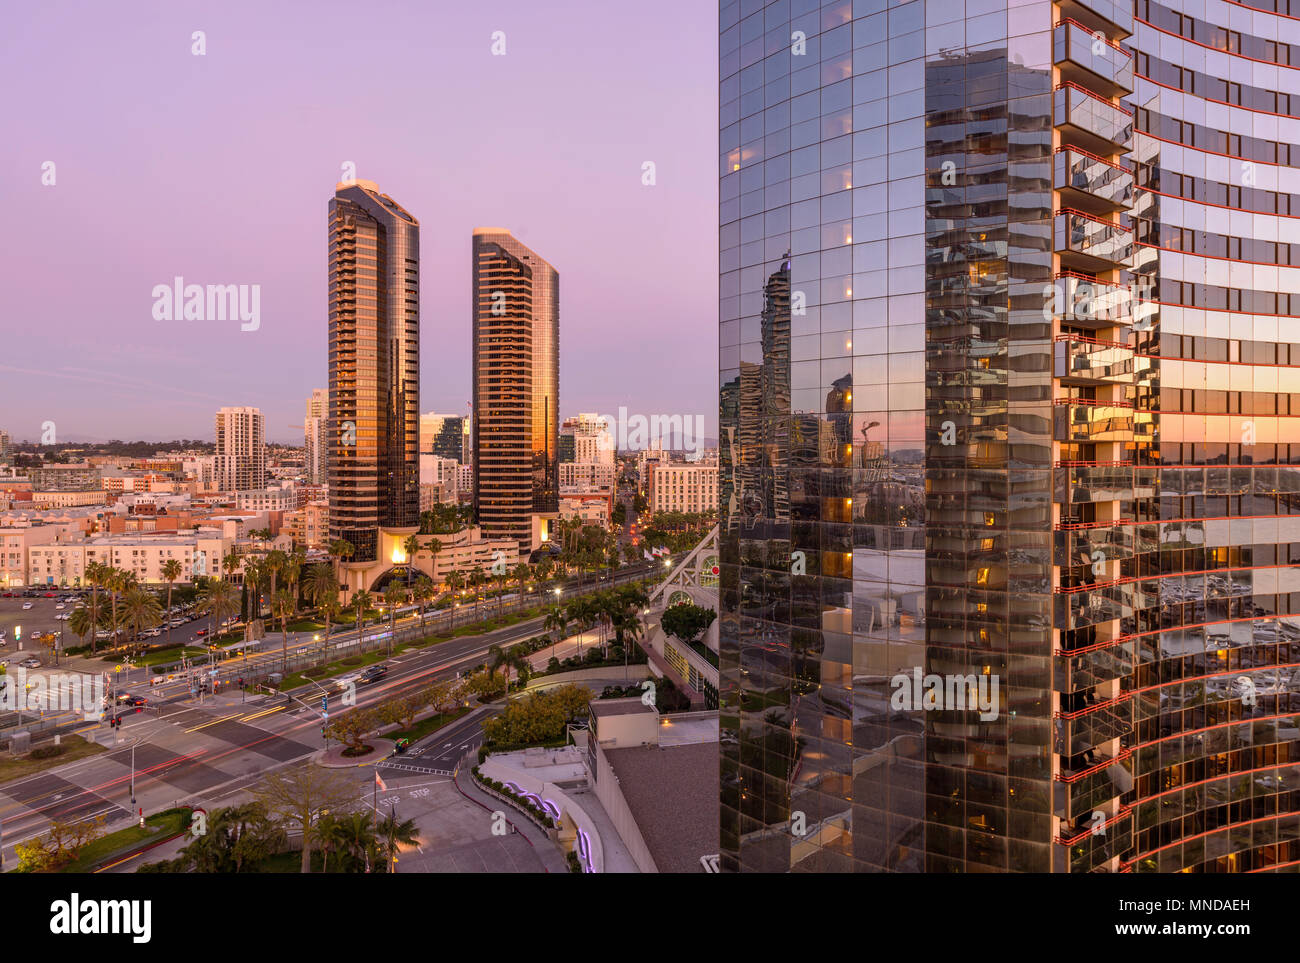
(516, 383)
(374, 367)
(1005, 327)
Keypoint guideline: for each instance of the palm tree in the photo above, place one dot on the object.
(252, 578)
(330, 836)
(434, 545)
(96, 573)
(81, 623)
(455, 583)
(393, 834)
(557, 619)
(410, 546)
(394, 596)
(476, 579)
(322, 587)
(141, 610)
(522, 574)
(231, 563)
(171, 571)
(273, 565)
(357, 836)
(283, 605)
(292, 571)
(361, 601)
(423, 593)
(502, 575)
(115, 581)
(218, 602)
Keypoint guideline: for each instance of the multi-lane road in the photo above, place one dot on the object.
(183, 751)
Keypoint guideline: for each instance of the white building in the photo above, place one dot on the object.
(592, 442)
(683, 487)
(577, 475)
(241, 449)
(277, 498)
(143, 553)
(315, 441)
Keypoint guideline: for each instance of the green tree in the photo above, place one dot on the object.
(282, 607)
(362, 601)
(141, 610)
(81, 622)
(687, 621)
(301, 796)
(394, 596)
(556, 621)
(217, 602)
(171, 571)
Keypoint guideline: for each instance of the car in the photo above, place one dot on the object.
(175, 622)
(373, 674)
(31, 662)
(151, 633)
(49, 595)
(26, 606)
(201, 632)
(344, 681)
(59, 606)
(130, 699)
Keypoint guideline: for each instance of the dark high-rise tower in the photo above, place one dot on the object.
(374, 367)
(516, 300)
(1009, 395)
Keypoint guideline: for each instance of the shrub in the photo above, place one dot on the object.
(46, 752)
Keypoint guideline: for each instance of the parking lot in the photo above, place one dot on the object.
(38, 619)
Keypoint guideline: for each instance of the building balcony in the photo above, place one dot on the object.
(1075, 544)
(1095, 665)
(1112, 17)
(1084, 420)
(1090, 183)
(1088, 483)
(1090, 243)
(1080, 606)
(1088, 851)
(1085, 302)
(1077, 732)
(1092, 122)
(1098, 779)
(1085, 361)
(1087, 58)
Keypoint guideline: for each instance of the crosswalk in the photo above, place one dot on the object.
(407, 767)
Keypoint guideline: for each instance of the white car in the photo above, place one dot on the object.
(59, 606)
(26, 606)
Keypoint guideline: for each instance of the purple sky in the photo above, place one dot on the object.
(219, 168)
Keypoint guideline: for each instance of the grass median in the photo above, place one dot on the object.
(74, 747)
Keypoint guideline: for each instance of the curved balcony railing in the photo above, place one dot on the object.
(1093, 118)
(1088, 56)
(1111, 17)
(1086, 361)
(1079, 420)
(1091, 179)
(1092, 240)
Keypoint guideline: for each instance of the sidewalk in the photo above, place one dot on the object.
(546, 851)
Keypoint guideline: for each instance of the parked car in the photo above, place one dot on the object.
(151, 633)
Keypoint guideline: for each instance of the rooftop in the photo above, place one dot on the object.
(672, 793)
(619, 707)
